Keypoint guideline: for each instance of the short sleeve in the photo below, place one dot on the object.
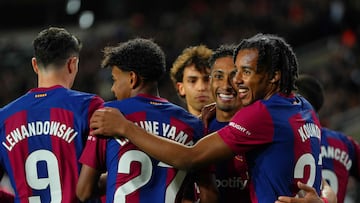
(251, 127)
(94, 153)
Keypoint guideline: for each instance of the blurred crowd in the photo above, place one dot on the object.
(178, 24)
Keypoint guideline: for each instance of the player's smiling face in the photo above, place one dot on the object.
(121, 83)
(251, 85)
(221, 75)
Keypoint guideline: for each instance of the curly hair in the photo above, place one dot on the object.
(274, 54)
(143, 56)
(54, 46)
(223, 51)
(197, 55)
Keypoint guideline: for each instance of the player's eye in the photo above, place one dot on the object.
(191, 80)
(218, 76)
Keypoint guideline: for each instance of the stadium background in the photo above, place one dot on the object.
(323, 33)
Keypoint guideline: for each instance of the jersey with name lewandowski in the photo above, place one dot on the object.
(42, 135)
(134, 176)
(341, 159)
(281, 139)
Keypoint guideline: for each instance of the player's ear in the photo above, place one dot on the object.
(35, 65)
(276, 77)
(72, 64)
(180, 88)
(134, 79)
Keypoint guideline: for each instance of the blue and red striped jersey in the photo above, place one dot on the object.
(134, 176)
(42, 136)
(341, 159)
(281, 139)
(232, 175)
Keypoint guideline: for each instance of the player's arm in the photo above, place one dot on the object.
(6, 196)
(207, 186)
(89, 183)
(211, 148)
(200, 186)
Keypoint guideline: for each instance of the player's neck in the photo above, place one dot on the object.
(147, 89)
(223, 116)
(193, 111)
(51, 80)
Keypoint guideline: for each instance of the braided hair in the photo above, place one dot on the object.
(274, 54)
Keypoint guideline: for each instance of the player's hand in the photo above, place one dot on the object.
(310, 196)
(107, 121)
(328, 192)
(207, 113)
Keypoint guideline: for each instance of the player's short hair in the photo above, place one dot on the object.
(222, 51)
(55, 45)
(311, 88)
(274, 55)
(197, 55)
(143, 56)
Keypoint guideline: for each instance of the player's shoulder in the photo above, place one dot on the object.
(327, 132)
(13, 106)
(12, 103)
(255, 109)
(181, 112)
(304, 102)
(128, 102)
(80, 93)
(82, 96)
(336, 134)
(253, 116)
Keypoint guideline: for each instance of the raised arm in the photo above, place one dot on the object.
(110, 122)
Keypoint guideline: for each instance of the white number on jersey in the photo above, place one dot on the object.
(53, 179)
(299, 172)
(144, 176)
(331, 178)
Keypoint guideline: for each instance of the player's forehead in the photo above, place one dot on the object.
(117, 71)
(247, 58)
(192, 72)
(223, 64)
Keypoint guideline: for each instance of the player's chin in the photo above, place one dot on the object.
(246, 102)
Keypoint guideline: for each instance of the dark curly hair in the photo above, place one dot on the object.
(54, 46)
(274, 54)
(223, 51)
(143, 56)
